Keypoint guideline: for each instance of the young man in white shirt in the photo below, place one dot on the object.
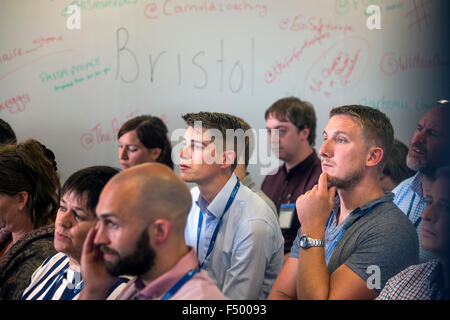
(235, 233)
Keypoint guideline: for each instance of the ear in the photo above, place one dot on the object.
(155, 153)
(159, 231)
(22, 199)
(304, 134)
(375, 156)
(228, 158)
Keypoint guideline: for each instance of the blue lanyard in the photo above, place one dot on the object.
(348, 225)
(53, 289)
(216, 231)
(179, 284)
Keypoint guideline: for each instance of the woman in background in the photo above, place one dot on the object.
(29, 199)
(144, 139)
(395, 170)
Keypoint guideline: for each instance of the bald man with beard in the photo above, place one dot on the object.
(142, 215)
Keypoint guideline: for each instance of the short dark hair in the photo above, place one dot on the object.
(300, 113)
(91, 181)
(7, 134)
(152, 133)
(395, 166)
(375, 124)
(221, 122)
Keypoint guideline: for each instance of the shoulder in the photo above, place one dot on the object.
(404, 186)
(249, 205)
(413, 274)
(200, 287)
(387, 224)
(273, 174)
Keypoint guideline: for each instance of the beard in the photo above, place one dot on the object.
(416, 164)
(137, 263)
(348, 182)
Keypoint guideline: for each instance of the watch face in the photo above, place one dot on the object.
(304, 242)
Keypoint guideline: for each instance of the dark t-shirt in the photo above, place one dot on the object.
(286, 187)
(383, 239)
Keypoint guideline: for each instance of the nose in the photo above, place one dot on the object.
(64, 219)
(100, 236)
(419, 136)
(123, 155)
(184, 153)
(428, 214)
(325, 150)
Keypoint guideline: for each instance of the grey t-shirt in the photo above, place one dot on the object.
(378, 234)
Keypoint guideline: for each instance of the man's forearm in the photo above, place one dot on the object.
(313, 280)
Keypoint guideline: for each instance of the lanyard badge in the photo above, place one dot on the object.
(286, 215)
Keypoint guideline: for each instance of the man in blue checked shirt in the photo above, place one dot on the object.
(429, 150)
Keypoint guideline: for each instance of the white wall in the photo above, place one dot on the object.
(168, 57)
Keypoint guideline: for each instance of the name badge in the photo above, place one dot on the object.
(286, 213)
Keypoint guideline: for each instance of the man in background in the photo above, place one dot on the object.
(295, 121)
(429, 150)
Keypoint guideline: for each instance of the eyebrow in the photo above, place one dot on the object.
(78, 208)
(336, 133)
(192, 141)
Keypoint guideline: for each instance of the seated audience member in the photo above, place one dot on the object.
(142, 214)
(295, 121)
(144, 139)
(236, 235)
(7, 134)
(59, 277)
(429, 280)
(342, 238)
(395, 170)
(29, 196)
(241, 167)
(5, 234)
(429, 150)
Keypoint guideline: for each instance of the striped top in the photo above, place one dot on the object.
(54, 280)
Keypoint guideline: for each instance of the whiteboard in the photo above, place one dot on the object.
(73, 88)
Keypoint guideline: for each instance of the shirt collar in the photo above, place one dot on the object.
(161, 285)
(388, 196)
(217, 206)
(437, 281)
(416, 184)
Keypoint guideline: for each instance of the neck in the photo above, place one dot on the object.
(366, 190)
(240, 172)
(165, 262)
(209, 189)
(20, 232)
(74, 264)
(304, 152)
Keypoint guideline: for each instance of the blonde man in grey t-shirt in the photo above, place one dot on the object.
(365, 235)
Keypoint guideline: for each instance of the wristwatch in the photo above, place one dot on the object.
(307, 242)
